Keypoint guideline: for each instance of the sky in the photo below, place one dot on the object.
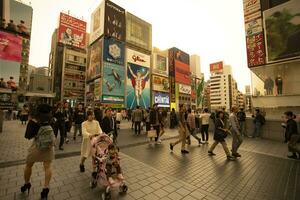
(212, 29)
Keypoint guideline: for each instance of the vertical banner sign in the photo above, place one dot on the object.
(97, 23)
(255, 50)
(172, 76)
(114, 25)
(94, 69)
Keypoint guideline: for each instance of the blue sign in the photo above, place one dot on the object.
(113, 80)
(114, 51)
(162, 99)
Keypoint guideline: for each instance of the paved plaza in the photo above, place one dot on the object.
(153, 172)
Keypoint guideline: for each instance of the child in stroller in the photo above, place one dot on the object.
(106, 160)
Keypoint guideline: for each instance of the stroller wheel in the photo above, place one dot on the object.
(123, 189)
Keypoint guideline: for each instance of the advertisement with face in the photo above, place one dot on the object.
(160, 83)
(160, 65)
(138, 32)
(162, 99)
(94, 69)
(181, 56)
(114, 51)
(113, 82)
(138, 86)
(9, 74)
(282, 45)
(10, 47)
(72, 31)
(97, 23)
(114, 21)
(17, 18)
(182, 73)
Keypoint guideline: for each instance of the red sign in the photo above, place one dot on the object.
(255, 50)
(10, 47)
(216, 67)
(182, 73)
(72, 31)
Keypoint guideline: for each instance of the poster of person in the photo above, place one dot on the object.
(113, 79)
(138, 86)
(94, 69)
(160, 83)
(9, 78)
(10, 47)
(282, 31)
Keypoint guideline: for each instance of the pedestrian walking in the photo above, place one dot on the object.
(191, 124)
(183, 130)
(24, 114)
(259, 121)
(90, 129)
(98, 112)
(137, 117)
(155, 121)
(79, 117)
(42, 148)
(241, 115)
(68, 120)
(291, 133)
(119, 118)
(235, 132)
(109, 124)
(59, 124)
(173, 119)
(219, 136)
(205, 125)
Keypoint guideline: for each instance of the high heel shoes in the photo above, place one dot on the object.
(25, 187)
(44, 194)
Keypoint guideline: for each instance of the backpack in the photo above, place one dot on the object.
(44, 138)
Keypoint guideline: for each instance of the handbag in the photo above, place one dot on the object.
(151, 133)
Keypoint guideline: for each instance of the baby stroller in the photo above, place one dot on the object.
(99, 150)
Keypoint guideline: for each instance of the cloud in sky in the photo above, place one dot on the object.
(212, 29)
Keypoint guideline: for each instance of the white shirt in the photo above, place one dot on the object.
(119, 117)
(205, 118)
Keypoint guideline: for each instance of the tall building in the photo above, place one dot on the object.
(206, 95)
(223, 88)
(274, 55)
(195, 65)
(68, 59)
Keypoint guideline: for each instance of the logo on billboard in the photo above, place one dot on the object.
(161, 98)
(185, 89)
(138, 58)
(216, 67)
(114, 51)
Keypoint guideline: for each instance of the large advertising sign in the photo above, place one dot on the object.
(5, 101)
(138, 58)
(216, 67)
(10, 47)
(162, 99)
(181, 56)
(138, 86)
(160, 83)
(94, 69)
(114, 51)
(185, 89)
(10, 73)
(160, 65)
(282, 45)
(172, 75)
(114, 21)
(72, 31)
(97, 23)
(113, 81)
(255, 50)
(97, 89)
(17, 18)
(138, 32)
(182, 73)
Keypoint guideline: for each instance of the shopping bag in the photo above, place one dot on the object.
(151, 134)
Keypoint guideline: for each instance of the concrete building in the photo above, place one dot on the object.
(241, 100)
(195, 65)
(206, 95)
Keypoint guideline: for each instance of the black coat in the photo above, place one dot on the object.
(291, 129)
(79, 116)
(219, 135)
(153, 117)
(107, 125)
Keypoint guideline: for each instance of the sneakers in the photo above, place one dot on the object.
(111, 181)
(67, 141)
(61, 148)
(184, 151)
(230, 158)
(292, 156)
(171, 147)
(210, 153)
(199, 143)
(120, 177)
(236, 155)
(158, 141)
(81, 167)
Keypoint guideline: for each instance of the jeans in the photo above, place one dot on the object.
(236, 141)
(137, 127)
(257, 129)
(204, 129)
(243, 127)
(61, 128)
(77, 128)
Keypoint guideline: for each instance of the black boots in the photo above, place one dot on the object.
(44, 194)
(25, 187)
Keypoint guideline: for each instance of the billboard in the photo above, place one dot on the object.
(113, 81)
(5, 101)
(17, 18)
(255, 50)
(182, 73)
(97, 23)
(160, 65)
(114, 25)
(185, 89)
(138, 32)
(138, 58)
(114, 51)
(10, 72)
(10, 47)
(72, 31)
(97, 89)
(180, 55)
(216, 67)
(282, 45)
(172, 75)
(160, 83)
(162, 99)
(138, 86)
(94, 69)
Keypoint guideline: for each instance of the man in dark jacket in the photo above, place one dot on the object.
(291, 131)
(241, 115)
(79, 117)
(137, 118)
(60, 124)
(155, 121)
(259, 121)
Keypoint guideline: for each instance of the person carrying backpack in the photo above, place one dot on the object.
(42, 148)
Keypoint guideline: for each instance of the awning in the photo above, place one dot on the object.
(38, 94)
